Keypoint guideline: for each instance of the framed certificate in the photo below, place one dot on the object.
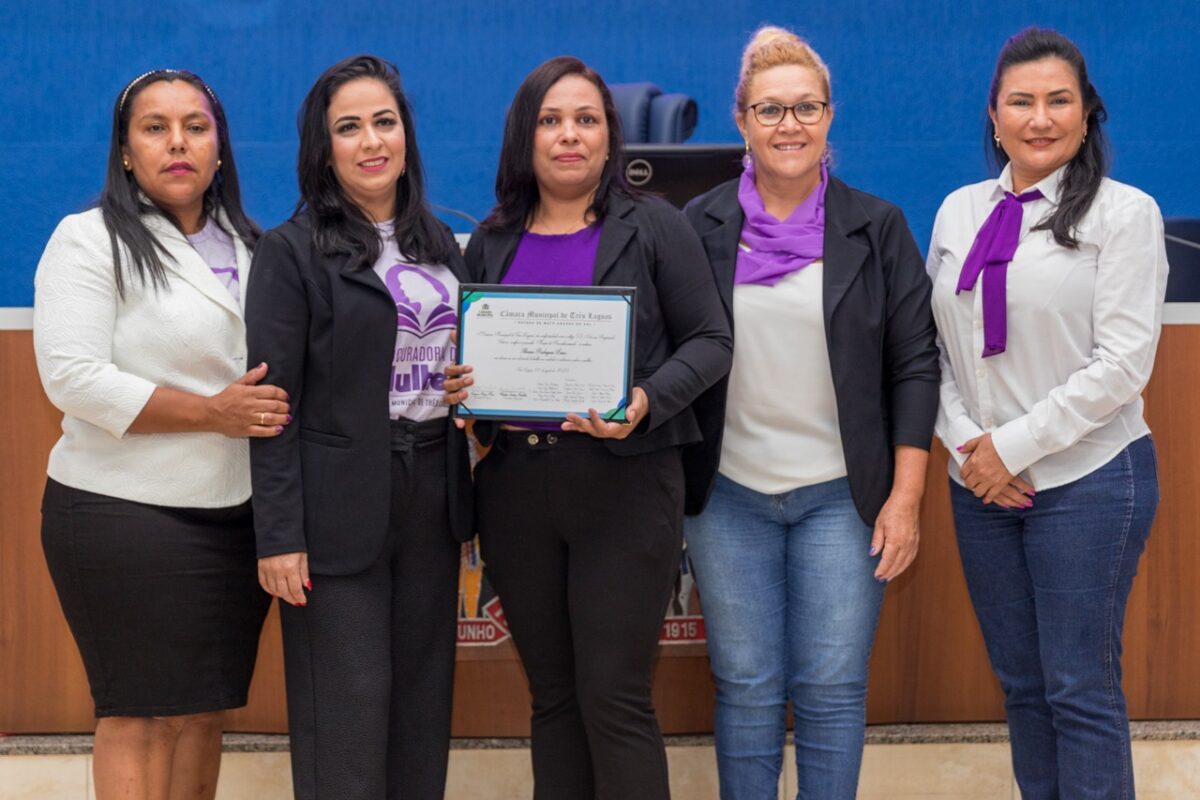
(542, 352)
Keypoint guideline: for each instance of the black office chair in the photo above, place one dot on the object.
(649, 116)
(1183, 256)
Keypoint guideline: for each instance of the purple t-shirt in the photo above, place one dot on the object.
(566, 259)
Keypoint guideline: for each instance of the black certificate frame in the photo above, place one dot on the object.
(471, 293)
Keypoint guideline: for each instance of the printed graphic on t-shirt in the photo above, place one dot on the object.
(425, 315)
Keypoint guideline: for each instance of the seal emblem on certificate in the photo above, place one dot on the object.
(542, 352)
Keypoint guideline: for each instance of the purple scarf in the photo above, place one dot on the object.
(993, 248)
(778, 248)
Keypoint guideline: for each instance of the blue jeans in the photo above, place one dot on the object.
(790, 605)
(1049, 586)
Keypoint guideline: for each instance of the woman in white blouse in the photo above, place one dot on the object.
(146, 524)
(1048, 291)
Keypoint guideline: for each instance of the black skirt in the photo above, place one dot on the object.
(164, 603)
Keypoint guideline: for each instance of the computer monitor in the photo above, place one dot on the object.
(680, 172)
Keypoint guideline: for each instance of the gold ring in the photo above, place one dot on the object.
(262, 418)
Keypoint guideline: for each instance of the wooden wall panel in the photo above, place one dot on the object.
(1162, 622)
(929, 663)
(42, 684)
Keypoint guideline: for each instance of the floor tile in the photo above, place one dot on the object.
(44, 777)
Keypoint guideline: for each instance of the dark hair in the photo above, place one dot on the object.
(516, 185)
(121, 203)
(1086, 170)
(339, 225)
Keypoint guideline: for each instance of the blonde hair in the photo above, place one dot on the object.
(772, 46)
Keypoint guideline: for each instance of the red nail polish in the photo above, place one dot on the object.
(308, 584)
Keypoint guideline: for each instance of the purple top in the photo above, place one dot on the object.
(777, 248)
(566, 259)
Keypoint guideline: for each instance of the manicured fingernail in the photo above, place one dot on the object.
(308, 584)
(263, 364)
(873, 550)
(1029, 504)
(302, 605)
(289, 419)
(882, 580)
(279, 429)
(960, 448)
(1031, 493)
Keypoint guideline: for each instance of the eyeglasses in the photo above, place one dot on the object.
(806, 112)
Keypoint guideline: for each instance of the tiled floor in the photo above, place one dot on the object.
(1166, 770)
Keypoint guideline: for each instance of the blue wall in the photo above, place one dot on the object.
(909, 82)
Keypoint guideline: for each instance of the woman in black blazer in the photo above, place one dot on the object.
(363, 501)
(806, 489)
(580, 523)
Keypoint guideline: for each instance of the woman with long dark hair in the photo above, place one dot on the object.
(1048, 292)
(580, 522)
(140, 341)
(364, 500)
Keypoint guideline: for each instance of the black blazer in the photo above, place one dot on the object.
(328, 334)
(682, 343)
(878, 328)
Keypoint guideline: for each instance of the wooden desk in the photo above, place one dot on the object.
(928, 665)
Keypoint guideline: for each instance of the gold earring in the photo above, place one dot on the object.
(218, 163)
(125, 163)
(996, 136)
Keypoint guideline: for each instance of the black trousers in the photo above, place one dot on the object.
(370, 660)
(582, 547)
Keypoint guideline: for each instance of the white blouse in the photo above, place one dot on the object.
(1083, 325)
(100, 358)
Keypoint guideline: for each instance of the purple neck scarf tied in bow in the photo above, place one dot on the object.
(993, 248)
(778, 247)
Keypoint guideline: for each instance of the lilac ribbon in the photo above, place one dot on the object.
(778, 247)
(993, 248)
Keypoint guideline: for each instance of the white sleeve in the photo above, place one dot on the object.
(1131, 280)
(74, 313)
(954, 425)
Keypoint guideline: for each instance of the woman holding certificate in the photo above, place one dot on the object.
(580, 521)
(363, 500)
(1048, 286)
(806, 489)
